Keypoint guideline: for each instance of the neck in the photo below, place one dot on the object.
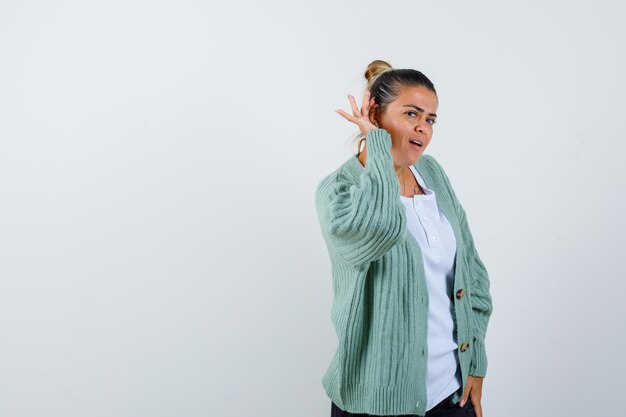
(399, 170)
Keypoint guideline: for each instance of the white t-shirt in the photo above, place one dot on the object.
(435, 236)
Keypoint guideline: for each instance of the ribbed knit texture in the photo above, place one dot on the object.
(380, 297)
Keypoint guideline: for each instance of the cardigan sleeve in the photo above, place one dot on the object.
(479, 295)
(364, 220)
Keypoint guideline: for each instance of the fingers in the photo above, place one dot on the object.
(478, 409)
(473, 393)
(463, 399)
(355, 109)
(346, 115)
(366, 101)
(468, 389)
(359, 117)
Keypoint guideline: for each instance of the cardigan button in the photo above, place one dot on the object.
(460, 293)
(464, 346)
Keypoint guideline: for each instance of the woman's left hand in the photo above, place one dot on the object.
(473, 391)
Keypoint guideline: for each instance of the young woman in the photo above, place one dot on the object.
(411, 299)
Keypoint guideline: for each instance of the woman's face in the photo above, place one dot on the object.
(410, 117)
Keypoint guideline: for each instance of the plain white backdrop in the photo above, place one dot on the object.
(159, 249)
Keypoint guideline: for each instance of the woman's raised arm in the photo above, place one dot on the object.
(363, 221)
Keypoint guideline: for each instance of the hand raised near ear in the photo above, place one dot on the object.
(360, 117)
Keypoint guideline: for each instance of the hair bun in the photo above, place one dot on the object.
(375, 69)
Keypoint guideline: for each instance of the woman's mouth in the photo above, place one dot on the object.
(416, 143)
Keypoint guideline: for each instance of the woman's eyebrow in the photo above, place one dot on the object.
(419, 109)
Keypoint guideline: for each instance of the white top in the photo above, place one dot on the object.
(433, 232)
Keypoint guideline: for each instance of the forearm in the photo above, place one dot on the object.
(363, 221)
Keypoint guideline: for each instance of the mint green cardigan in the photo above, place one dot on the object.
(380, 298)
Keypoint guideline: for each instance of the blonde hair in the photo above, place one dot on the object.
(374, 70)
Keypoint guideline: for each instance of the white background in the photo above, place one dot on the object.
(160, 254)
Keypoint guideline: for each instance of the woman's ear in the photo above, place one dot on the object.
(373, 114)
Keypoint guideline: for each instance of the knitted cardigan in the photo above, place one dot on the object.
(380, 297)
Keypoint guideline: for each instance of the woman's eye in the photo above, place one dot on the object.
(414, 114)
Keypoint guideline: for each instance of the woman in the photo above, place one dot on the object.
(411, 298)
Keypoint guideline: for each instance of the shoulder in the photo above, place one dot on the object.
(324, 184)
(340, 178)
(327, 186)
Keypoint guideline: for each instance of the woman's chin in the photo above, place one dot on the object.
(415, 156)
